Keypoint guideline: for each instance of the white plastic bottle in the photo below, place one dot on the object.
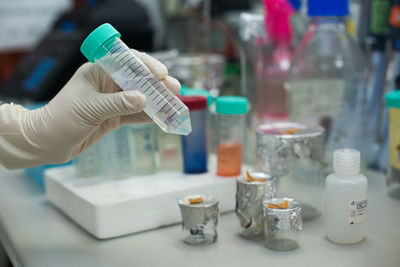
(346, 199)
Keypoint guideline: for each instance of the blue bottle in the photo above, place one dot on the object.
(194, 145)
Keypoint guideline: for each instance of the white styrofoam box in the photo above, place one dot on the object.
(111, 208)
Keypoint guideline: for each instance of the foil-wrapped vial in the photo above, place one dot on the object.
(200, 216)
(282, 223)
(251, 190)
(294, 154)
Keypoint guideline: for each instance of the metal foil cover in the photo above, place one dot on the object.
(199, 220)
(280, 145)
(249, 199)
(282, 219)
(251, 26)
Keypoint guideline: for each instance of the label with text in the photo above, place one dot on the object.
(358, 211)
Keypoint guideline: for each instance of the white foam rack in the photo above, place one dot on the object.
(111, 208)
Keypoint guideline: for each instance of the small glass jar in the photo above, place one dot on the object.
(393, 179)
(251, 190)
(231, 113)
(282, 223)
(200, 216)
(142, 143)
(194, 145)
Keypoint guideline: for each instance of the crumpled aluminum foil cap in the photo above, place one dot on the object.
(277, 151)
(249, 198)
(283, 219)
(195, 214)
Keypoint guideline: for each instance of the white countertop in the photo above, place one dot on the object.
(34, 233)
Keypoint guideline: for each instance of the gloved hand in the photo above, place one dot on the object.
(88, 107)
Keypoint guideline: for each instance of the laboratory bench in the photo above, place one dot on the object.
(35, 233)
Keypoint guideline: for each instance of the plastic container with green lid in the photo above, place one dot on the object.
(231, 105)
(104, 47)
(392, 100)
(231, 114)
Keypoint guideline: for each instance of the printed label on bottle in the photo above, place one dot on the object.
(358, 211)
(315, 98)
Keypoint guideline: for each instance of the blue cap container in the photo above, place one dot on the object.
(326, 8)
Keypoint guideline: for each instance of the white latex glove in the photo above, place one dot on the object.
(88, 107)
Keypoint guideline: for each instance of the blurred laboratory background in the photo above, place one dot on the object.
(312, 62)
(218, 46)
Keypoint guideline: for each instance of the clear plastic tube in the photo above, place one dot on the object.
(104, 47)
(230, 131)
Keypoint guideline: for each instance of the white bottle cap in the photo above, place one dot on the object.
(346, 161)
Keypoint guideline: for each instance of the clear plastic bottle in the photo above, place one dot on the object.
(231, 114)
(104, 48)
(346, 199)
(328, 75)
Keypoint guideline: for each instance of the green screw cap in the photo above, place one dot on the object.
(93, 46)
(392, 99)
(231, 105)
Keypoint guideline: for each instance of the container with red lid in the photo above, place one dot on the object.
(194, 145)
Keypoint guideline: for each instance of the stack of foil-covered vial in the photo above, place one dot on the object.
(262, 216)
(294, 154)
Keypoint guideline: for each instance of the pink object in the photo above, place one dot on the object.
(272, 71)
(277, 20)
